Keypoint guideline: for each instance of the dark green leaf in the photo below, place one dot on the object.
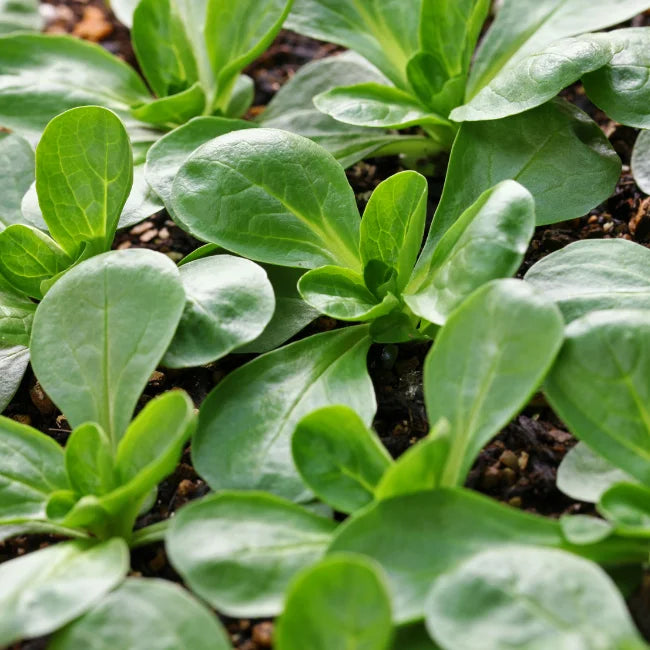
(168, 154)
(627, 507)
(173, 110)
(246, 422)
(341, 603)
(239, 551)
(338, 457)
(555, 151)
(270, 196)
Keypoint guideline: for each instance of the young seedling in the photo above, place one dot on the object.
(432, 78)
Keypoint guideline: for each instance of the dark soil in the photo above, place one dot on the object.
(518, 467)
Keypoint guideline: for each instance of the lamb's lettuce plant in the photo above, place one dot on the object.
(424, 50)
(97, 336)
(191, 55)
(304, 215)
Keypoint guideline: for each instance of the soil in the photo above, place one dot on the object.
(518, 467)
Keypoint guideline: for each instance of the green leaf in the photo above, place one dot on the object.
(126, 307)
(44, 75)
(540, 76)
(488, 241)
(17, 173)
(420, 467)
(383, 31)
(270, 196)
(13, 365)
(31, 468)
(89, 461)
(338, 457)
(342, 294)
(16, 316)
(162, 46)
(555, 151)
(600, 386)
(641, 161)
(584, 529)
(245, 28)
(28, 257)
(127, 617)
(404, 534)
(479, 379)
(168, 154)
(591, 275)
(154, 442)
(239, 551)
(291, 314)
(393, 223)
(625, 505)
(621, 88)
(449, 29)
(19, 15)
(528, 598)
(173, 110)
(292, 109)
(84, 173)
(341, 603)
(246, 422)
(417, 537)
(585, 476)
(375, 105)
(44, 590)
(523, 27)
(229, 302)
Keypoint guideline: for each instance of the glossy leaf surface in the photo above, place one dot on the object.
(338, 457)
(528, 598)
(246, 423)
(229, 301)
(341, 603)
(270, 196)
(239, 551)
(43, 590)
(596, 274)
